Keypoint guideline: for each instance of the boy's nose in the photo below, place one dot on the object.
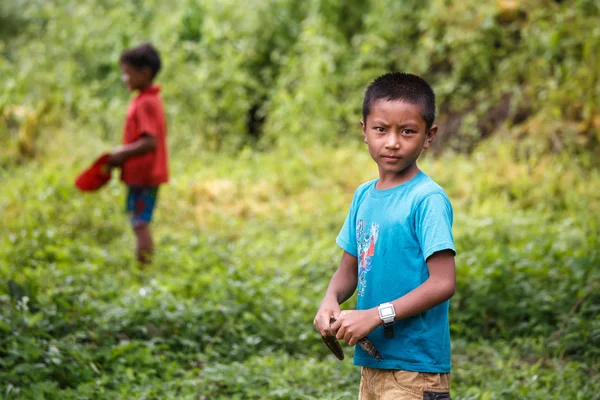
(393, 141)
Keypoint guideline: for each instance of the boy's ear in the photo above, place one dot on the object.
(147, 72)
(430, 135)
(364, 129)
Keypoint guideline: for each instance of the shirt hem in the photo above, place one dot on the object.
(346, 246)
(145, 183)
(438, 247)
(403, 366)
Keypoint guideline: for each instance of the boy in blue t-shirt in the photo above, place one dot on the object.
(398, 253)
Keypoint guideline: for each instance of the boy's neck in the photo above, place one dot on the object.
(145, 87)
(387, 181)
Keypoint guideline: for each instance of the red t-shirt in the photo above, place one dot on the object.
(146, 116)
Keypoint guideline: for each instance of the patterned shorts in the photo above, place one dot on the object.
(140, 204)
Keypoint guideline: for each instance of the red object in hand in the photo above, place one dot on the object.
(96, 176)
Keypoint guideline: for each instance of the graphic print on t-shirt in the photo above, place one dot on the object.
(365, 241)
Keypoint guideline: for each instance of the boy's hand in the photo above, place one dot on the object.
(117, 157)
(328, 309)
(353, 325)
(144, 144)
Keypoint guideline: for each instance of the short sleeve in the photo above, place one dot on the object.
(346, 239)
(433, 224)
(147, 118)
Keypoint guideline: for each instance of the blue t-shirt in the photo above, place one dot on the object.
(392, 233)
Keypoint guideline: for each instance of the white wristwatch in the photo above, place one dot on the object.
(387, 314)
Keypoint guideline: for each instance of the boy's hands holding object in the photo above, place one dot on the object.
(98, 174)
(336, 349)
(322, 322)
(330, 309)
(95, 176)
(353, 325)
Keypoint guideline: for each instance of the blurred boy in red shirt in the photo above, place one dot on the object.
(143, 155)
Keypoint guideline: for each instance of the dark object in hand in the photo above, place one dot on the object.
(369, 347)
(335, 347)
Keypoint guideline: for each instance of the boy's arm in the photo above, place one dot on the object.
(144, 144)
(341, 286)
(439, 287)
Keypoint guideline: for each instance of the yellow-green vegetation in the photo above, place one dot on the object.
(263, 103)
(246, 248)
(284, 70)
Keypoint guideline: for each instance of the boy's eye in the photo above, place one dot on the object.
(407, 131)
(380, 129)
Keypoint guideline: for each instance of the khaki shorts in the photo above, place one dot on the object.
(382, 384)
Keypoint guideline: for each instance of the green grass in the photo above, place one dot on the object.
(245, 251)
(245, 236)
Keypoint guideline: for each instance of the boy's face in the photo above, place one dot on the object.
(396, 133)
(134, 78)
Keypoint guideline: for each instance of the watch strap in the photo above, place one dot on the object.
(388, 330)
(388, 321)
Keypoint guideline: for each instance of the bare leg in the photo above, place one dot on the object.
(144, 245)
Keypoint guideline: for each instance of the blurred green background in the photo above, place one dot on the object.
(263, 99)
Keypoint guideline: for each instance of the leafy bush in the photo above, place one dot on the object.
(286, 72)
(226, 311)
(245, 235)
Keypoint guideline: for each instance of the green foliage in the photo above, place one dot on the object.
(245, 237)
(285, 71)
(244, 256)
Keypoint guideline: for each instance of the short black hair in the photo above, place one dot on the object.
(144, 55)
(400, 86)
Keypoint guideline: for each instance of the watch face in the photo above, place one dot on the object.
(386, 312)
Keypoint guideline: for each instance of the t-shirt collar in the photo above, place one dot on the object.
(153, 89)
(374, 192)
